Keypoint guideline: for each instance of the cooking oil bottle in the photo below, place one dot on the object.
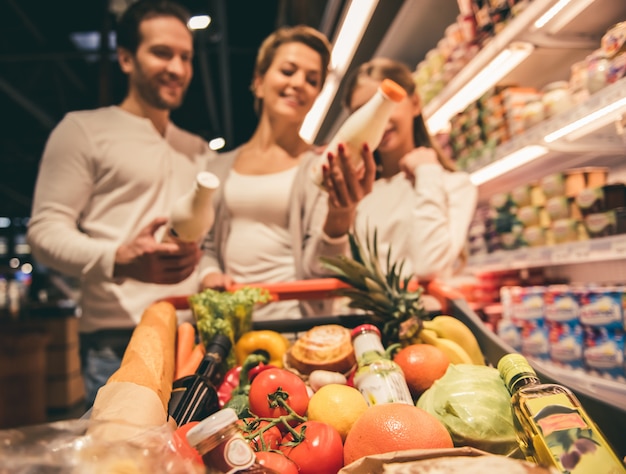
(552, 426)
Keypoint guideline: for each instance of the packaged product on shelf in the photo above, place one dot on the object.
(556, 98)
(507, 328)
(529, 312)
(577, 179)
(602, 318)
(614, 40)
(562, 312)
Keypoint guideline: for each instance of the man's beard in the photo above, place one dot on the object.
(149, 92)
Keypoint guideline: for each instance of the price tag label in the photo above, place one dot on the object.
(581, 251)
(619, 247)
(561, 255)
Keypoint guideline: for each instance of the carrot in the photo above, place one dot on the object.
(185, 342)
(193, 361)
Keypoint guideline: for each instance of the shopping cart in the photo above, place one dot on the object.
(604, 400)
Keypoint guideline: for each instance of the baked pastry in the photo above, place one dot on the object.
(325, 347)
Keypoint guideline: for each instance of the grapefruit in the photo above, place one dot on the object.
(394, 427)
(422, 364)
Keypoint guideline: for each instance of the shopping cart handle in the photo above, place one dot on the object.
(314, 289)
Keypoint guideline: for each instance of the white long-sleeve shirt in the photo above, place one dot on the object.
(425, 224)
(104, 175)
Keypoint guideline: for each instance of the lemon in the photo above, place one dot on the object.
(338, 406)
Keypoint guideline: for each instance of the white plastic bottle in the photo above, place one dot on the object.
(192, 215)
(365, 125)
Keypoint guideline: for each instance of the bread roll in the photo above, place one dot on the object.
(149, 357)
(326, 347)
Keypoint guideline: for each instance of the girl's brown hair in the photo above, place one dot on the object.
(306, 35)
(383, 68)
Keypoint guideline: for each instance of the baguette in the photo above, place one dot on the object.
(139, 391)
(149, 357)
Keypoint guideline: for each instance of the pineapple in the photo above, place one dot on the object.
(384, 297)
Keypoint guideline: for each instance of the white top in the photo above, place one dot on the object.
(104, 175)
(259, 208)
(425, 224)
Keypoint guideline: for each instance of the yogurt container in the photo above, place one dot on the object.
(528, 315)
(602, 318)
(562, 312)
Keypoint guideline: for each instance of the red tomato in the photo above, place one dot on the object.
(321, 451)
(251, 427)
(181, 444)
(268, 382)
(277, 462)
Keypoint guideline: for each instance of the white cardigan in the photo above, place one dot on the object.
(425, 224)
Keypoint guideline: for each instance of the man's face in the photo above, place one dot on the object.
(160, 71)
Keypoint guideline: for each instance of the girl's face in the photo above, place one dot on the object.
(399, 130)
(292, 82)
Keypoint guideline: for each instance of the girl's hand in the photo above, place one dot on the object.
(217, 281)
(346, 186)
(416, 157)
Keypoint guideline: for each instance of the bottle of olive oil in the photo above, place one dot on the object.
(553, 427)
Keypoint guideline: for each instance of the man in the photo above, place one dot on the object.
(108, 179)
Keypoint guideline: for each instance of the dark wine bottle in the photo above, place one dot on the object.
(194, 397)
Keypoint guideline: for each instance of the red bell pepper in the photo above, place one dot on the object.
(235, 381)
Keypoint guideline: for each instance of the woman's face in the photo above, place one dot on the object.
(292, 82)
(399, 130)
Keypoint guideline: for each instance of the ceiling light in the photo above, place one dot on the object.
(589, 123)
(500, 66)
(217, 143)
(350, 34)
(560, 14)
(199, 22)
(507, 163)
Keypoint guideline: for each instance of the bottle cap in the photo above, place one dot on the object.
(364, 328)
(513, 367)
(208, 180)
(392, 90)
(211, 425)
(220, 340)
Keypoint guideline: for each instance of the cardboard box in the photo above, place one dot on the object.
(64, 391)
(63, 330)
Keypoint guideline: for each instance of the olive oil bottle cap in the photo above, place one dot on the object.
(514, 367)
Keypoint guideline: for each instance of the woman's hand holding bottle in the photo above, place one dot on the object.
(346, 186)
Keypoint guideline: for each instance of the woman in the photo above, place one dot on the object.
(272, 222)
(420, 206)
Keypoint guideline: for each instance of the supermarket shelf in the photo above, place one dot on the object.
(593, 250)
(602, 147)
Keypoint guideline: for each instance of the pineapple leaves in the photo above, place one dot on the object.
(383, 295)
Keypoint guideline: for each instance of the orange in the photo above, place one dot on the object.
(422, 364)
(394, 427)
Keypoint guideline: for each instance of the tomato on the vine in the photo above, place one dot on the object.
(321, 451)
(267, 383)
(277, 462)
(252, 426)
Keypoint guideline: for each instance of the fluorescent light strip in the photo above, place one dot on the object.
(350, 34)
(561, 14)
(589, 123)
(507, 163)
(500, 66)
(544, 19)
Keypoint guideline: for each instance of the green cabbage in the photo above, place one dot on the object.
(475, 406)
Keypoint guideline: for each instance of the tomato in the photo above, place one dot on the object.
(182, 446)
(268, 382)
(321, 451)
(277, 462)
(251, 427)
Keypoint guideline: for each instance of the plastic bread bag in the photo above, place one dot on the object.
(76, 446)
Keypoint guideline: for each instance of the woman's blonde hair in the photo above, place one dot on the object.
(304, 34)
(383, 68)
